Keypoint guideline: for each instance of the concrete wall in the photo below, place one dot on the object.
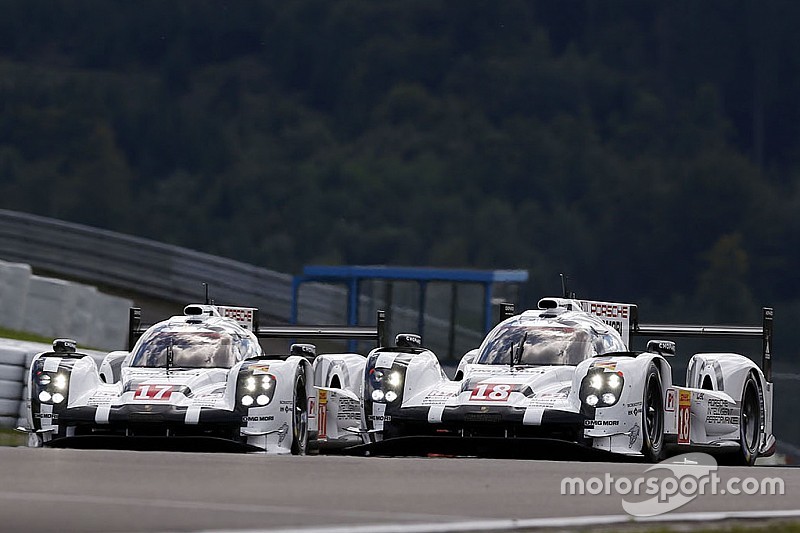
(56, 308)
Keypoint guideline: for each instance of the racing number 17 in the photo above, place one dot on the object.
(153, 392)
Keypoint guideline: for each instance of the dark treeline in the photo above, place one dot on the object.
(649, 149)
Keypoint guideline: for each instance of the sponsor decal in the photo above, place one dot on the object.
(158, 393)
(205, 402)
(609, 366)
(242, 315)
(720, 412)
(670, 403)
(380, 418)
(598, 423)
(684, 416)
(266, 418)
(349, 409)
(491, 392)
(634, 408)
(437, 398)
(260, 369)
(312, 407)
(608, 310)
(50, 416)
(548, 402)
(634, 436)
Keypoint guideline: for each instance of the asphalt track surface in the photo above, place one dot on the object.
(105, 490)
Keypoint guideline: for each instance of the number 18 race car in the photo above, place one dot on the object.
(192, 380)
(565, 374)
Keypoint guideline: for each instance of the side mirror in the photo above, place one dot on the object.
(665, 348)
(408, 340)
(65, 346)
(309, 351)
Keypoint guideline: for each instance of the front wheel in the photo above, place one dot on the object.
(300, 416)
(653, 416)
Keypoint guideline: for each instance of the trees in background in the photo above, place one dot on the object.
(649, 150)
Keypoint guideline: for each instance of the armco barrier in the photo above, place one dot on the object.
(176, 274)
(140, 265)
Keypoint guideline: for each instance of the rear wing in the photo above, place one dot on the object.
(247, 317)
(376, 332)
(684, 330)
(625, 319)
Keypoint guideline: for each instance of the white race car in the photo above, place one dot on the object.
(563, 374)
(197, 379)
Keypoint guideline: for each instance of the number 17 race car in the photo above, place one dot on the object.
(197, 379)
(564, 374)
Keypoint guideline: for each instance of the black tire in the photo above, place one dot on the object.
(300, 416)
(653, 416)
(749, 422)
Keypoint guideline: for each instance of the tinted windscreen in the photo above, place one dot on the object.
(536, 346)
(196, 349)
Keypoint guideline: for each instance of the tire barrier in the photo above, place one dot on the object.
(9, 408)
(10, 390)
(12, 372)
(9, 421)
(15, 360)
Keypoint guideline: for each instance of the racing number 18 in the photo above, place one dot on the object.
(492, 392)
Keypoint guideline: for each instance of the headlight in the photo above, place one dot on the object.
(601, 388)
(395, 379)
(384, 385)
(49, 386)
(60, 382)
(255, 389)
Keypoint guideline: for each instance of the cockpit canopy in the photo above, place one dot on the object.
(184, 346)
(553, 344)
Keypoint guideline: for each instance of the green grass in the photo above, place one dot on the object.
(23, 336)
(9, 437)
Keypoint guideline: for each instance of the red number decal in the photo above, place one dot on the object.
(495, 392)
(154, 392)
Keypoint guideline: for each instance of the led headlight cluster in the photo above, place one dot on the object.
(384, 385)
(256, 390)
(601, 389)
(51, 386)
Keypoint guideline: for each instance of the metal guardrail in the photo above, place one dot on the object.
(173, 273)
(140, 265)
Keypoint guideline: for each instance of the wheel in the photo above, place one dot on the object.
(749, 422)
(300, 416)
(653, 416)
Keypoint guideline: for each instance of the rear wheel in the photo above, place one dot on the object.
(750, 422)
(653, 416)
(300, 416)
